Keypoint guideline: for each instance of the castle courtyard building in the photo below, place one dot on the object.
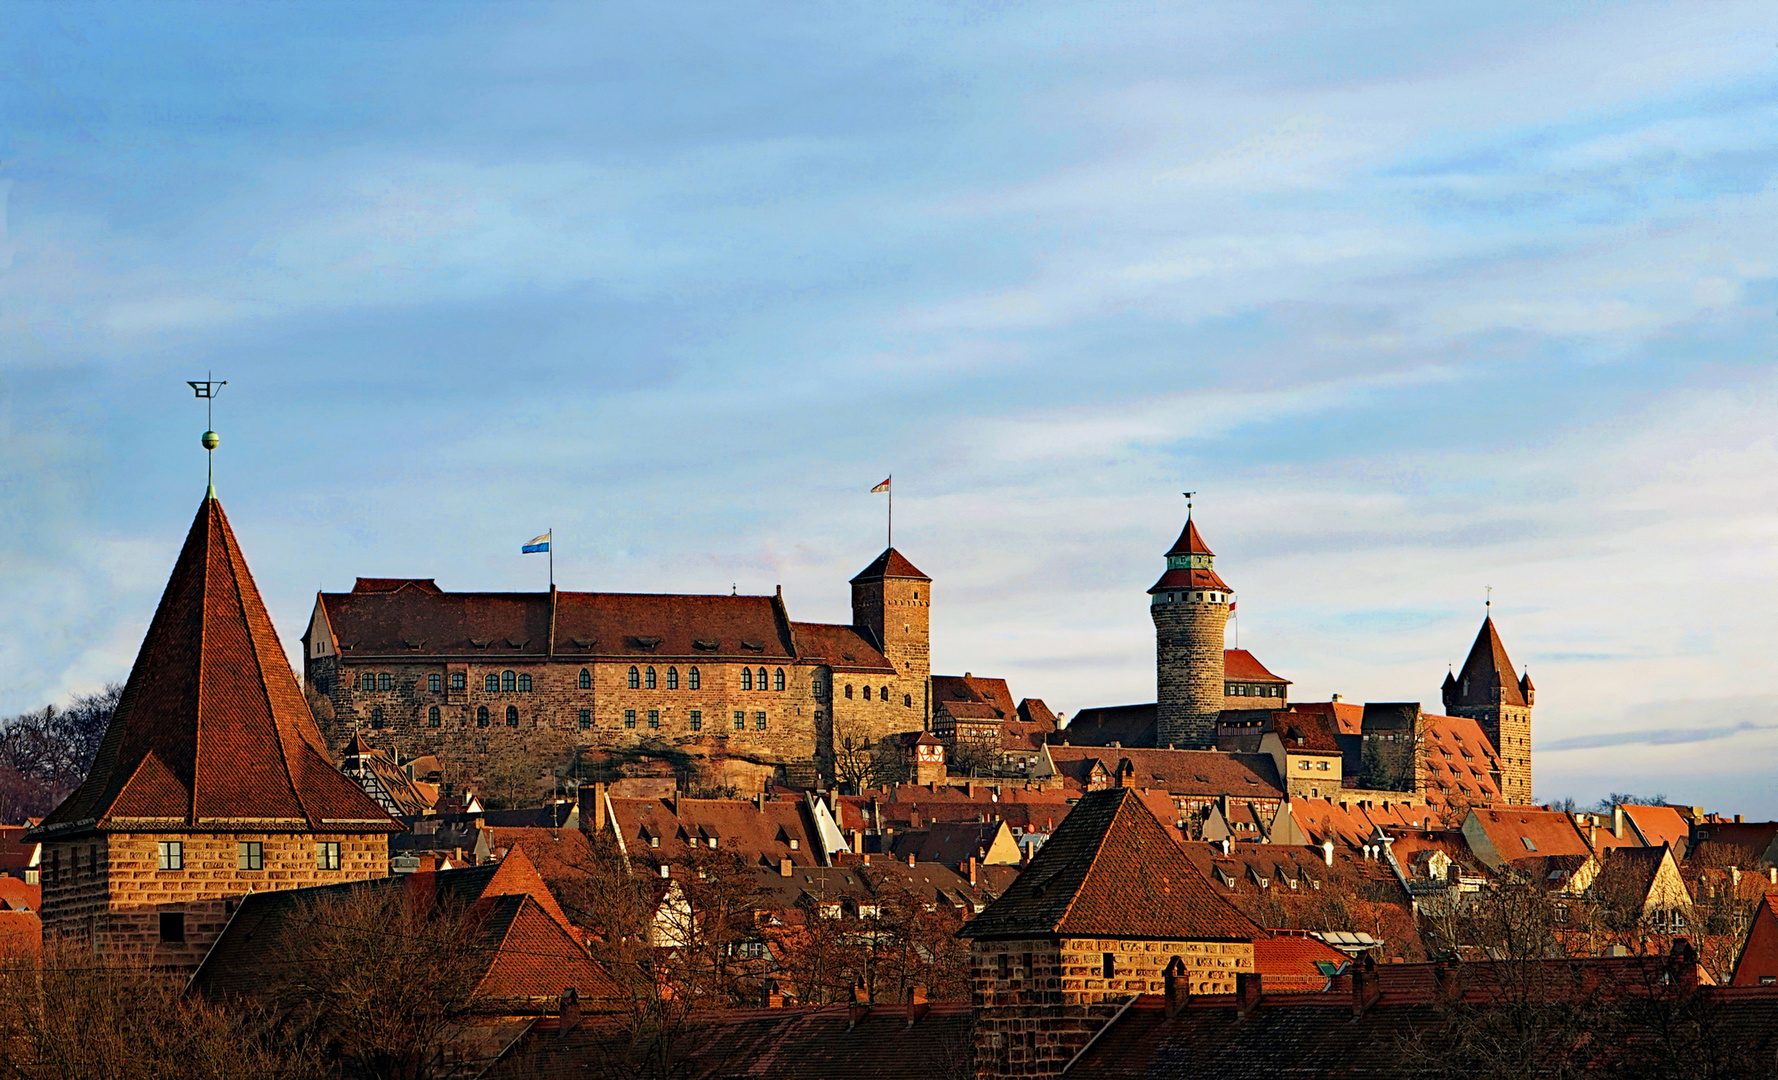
(484, 680)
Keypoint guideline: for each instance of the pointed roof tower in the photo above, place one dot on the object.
(1190, 563)
(212, 732)
(1111, 870)
(1487, 670)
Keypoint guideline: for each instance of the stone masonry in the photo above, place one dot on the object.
(1190, 608)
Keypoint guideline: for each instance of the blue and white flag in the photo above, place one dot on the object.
(536, 545)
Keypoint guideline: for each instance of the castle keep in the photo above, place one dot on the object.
(483, 679)
(211, 782)
(1487, 693)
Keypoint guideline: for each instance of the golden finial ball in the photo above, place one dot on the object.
(212, 440)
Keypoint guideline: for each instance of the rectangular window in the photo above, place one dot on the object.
(435, 683)
(586, 719)
(759, 721)
(172, 857)
(173, 926)
(740, 720)
(1108, 966)
(654, 718)
(629, 718)
(327, 855)
(251, 855)
(697, 720)
(459, 680)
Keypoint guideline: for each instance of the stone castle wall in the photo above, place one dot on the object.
(108, 892)
(793, 726)
(1188, 672)
(1509, 729)
(1038, 1001)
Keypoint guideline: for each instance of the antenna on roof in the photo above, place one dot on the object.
(207, 390)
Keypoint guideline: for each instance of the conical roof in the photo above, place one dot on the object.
(890, 564)
(1111, 870)
(1189, 542)
(212, 732)
(1488, 669)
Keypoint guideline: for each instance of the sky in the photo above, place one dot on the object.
(1420, 299)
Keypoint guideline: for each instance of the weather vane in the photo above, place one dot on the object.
(1489, 602)
(1188, 502)
(207, 390)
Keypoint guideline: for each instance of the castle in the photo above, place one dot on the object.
(482, 678)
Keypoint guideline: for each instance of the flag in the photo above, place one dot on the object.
(535, 545)
(884, 486)
(1231, 607)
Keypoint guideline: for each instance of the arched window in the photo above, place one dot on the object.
(491, 684)
(512, 716)
(648, 677)
(481, 715)
(376, 717)
(672, 678)
(508, 681)
(524, 683)
(848, 689)
(883, 692)
(907, 700)
(635, 677)
(746, 678)
(383, 682)
(778, 679)
(762, 678)
(692, 680)
(367, 681)
(432, 717)
(586, 679)
(867, 692)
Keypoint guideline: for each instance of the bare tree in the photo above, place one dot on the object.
(72, 1017)
(45, 755)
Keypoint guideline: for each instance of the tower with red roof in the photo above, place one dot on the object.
(1190, 607)
(1486, 691)
(212, 780)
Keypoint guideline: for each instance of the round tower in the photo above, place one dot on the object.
(1190, 606)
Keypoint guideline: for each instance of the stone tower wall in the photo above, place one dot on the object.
(1508, 727)
(1188, 672)
(899, 612)
(1038, 1001)
(108, 892)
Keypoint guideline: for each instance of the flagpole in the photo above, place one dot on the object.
(552, 558)
(891, 510)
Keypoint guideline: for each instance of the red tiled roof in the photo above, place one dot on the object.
(1487, 669)
(212, 729)
(1349, 716)
(1659, 825)
(1181, 772)
(1183, 578)
(841, 648)
(1241, 666)
(389, 585)
(15, 895)
(1308, 732)
(1461, 763)
(1128, 725)
(1110, 870)
(1550, 832)
(1034, 724)
(21, 934)
(1189, 542)
(1759, 957)
(775, 830)
(890, 564)
(1292, 963)
(949, 690)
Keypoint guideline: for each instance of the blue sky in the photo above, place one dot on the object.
(1421, 298)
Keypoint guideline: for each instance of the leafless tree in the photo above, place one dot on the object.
(45, 754)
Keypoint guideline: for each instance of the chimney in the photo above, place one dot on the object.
(1617, 822)
(1593, 836)
(1327, 852)
(1447, 975)
(910, 858)
(784, 867)
(1249, 988)
(1684, 960)
(770, 996)
(972, 871)
(568, 1009)
(918, 1006)
(1178, 986)
(1772, 874)
(598, 807)
(860, 1005)
(867, 858)
(1737, 819)
(1365, 988)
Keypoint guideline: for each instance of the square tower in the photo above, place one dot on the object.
(892, 606)
(1486, 691)
(212, 780)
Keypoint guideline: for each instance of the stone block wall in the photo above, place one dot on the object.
(115, 906)
(1189, 672)
(1038, 1001)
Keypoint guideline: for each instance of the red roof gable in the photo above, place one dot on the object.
(1189, 542)
(1488, 669)
(890, 564)
(1241, 666)
(212, 730)
(841, 648)
(1111, 870)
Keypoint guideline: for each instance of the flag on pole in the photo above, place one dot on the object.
(884, 486)
(536, 545)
